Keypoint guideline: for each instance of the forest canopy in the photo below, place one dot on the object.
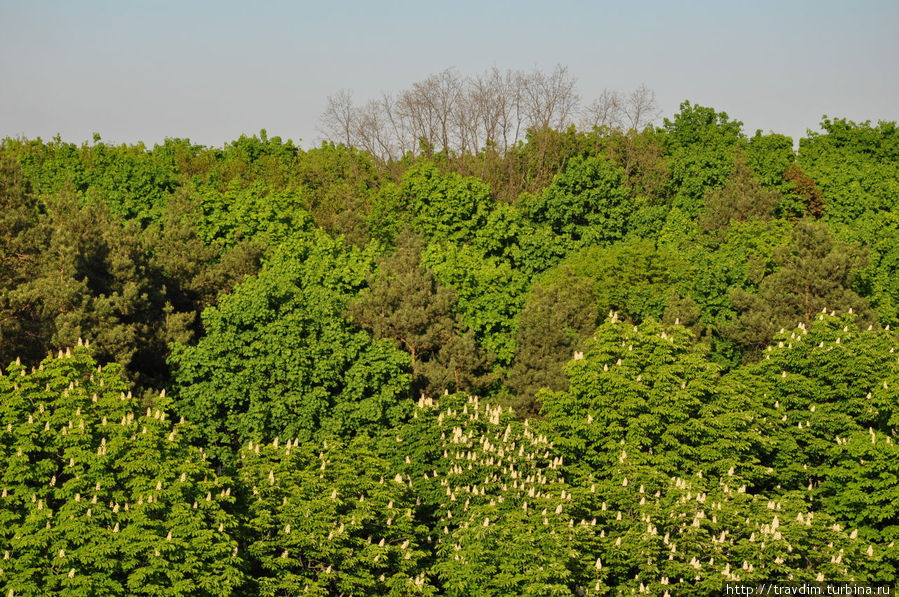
(488, 339)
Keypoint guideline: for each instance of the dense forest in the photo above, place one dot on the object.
(487, 341)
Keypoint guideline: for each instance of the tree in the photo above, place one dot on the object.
(490, 293)
(700, 144)
(814, 272)
(645, 386)
(827, 410)
(553, 324)
(20, 245)
(586, 203)
(99, 498)
(770, 156)
(878, 280)
(405, 304)
(338, 185)
(680, 478)
(496, 508)
(249, 213)
(741, 198)
(854, 165)
(279, 358)
(329, 519)
(447, 207)
(806, 198)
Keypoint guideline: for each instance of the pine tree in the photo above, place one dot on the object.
(406, 304)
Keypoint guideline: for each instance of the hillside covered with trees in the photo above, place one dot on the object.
(490, 339)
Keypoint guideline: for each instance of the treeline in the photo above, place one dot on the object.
(655, 471)
(523, 359)
(493, 111)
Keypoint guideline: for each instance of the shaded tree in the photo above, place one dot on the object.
(406, 304)
(553, 324)
(742, 197)
(814, 272)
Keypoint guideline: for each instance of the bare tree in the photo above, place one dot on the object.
(374, 133)
(491, 97)
(414, 107)
(447, 93)
(339, 119)
(549, 100)
(604, 112)
(640, 108)
(399, 131)
(461, 115)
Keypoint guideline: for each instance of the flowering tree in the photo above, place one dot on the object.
(99, 497)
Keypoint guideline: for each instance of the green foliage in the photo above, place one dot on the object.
(76, 271)
(20, 245)
(586, 203)
(556, 318)
(878, 279)
(666, 457)
(447, 207)
(722, 479)
(770, 156)
(814, 272)
(99, 500)
(87, 276)
(253, 212)
(338, 186)
(828, 411)
(249, 159)
(330, 519)
(803, 196)
(855, 166)
(562, 310)
(280, 358)
(689, 534)
(639, 387)
(700, 144)
(634, 276)
(490, 293)
(405, 304)
(740, 199)
(696, 125)
(510, 237)
(127, 179)
(493, 498)
(741, 257)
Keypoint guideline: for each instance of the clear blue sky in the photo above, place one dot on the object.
(213, 70)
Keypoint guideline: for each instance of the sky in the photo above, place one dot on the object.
(210, 71)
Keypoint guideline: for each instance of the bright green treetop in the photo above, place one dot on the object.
(281, 358)
(99, 497)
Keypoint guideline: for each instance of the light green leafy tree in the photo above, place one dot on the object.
(447, 207)
(498, 509)
(281, 358)
(855, 166)
(586, 203)
(490, 293)
(99, 497)
(256, 212)
(700, 145)
(330, 519)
